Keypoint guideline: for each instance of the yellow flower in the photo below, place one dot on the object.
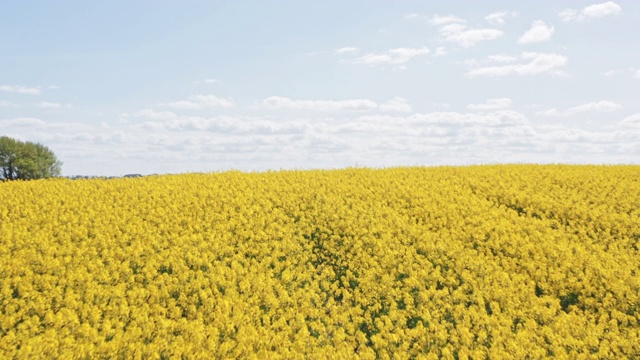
(405, 262)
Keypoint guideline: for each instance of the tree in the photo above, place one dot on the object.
(26, 160)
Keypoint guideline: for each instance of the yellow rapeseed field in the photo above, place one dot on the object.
(505, 261)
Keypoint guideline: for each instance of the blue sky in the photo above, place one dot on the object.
(117, 87)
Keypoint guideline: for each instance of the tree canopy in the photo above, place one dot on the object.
(26, 160)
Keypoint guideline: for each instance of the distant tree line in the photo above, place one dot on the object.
(26, 160)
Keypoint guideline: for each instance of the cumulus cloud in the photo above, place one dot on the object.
(411, 16)
(20, 89)
(440, 51)
(585, 138)
(396, 104)
(434, 130)
(496, 118)
(52, 105)
(186, 123)
(49, 105)
(460, 34)
(597, 106)
(637, 75)
(527, 64)
(491, 104)
(631, 121)
(198, 102)
(498, 18)
(603, 9)
(219, 124)
(539, 32)
(281, 103)
(594, 11)
(100, 138)
(23, 122)
(397, 56)
(347, 50)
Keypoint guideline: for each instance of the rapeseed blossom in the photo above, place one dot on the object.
(501, 261)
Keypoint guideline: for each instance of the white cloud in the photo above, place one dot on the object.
(539, 32)
(496, 118)
(601, 10)
(207, 81)
(53, 87)
(220, 124)
(569, 15)
(7, 104)
(491, 104)
(197, 102)
(441, 51)
(591, 12)
(498, 18)
(587, 139)
(637, 75)
(529, 63)
(48, 105)
(611, 72)
(97, 139)
(52, 105)
(411, 16)
(398, 56)
(598, 106)
(396, 104)
(459, 33)
(192, 123)
(632, 120)
(501, 58)
(20, 89)
(278, 103)
(347, 50)
(23, 122)
(444, 20)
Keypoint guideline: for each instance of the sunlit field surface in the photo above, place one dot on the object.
(454, 262)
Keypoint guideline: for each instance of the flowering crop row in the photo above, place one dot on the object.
(502, 261)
